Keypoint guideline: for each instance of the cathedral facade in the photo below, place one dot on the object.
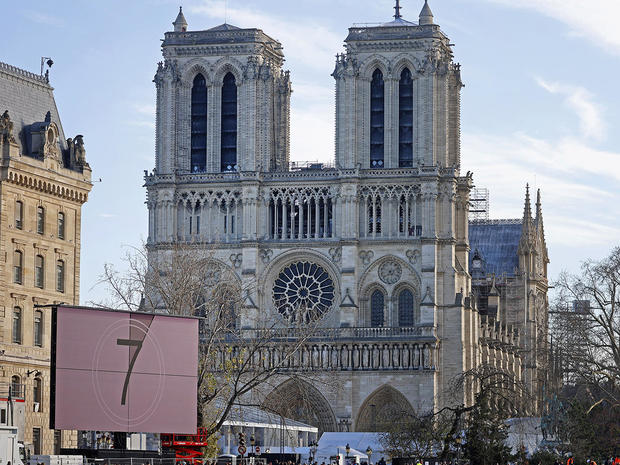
(375, 245)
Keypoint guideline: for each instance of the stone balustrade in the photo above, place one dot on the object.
(364, 355)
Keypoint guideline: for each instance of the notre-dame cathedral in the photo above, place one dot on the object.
(378, 245)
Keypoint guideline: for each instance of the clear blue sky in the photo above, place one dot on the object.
(540, 103)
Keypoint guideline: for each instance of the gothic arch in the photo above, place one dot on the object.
(365, 298)
(405, 60)
(298, 400)
(412, 273)
(271, 272)
(227, 65)
(381, 408)
(415, 290)
(194, 67)
(375, 62)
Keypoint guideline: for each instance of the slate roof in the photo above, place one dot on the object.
(27, 97)
(497, 242)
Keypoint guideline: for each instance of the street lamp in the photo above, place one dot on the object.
(313, 447)
(458, 442)
(369, 454)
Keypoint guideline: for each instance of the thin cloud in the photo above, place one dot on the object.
(594, 20)
(573, 192)
(300, 39)
(580, 100)
(43, 18)
(145, 109)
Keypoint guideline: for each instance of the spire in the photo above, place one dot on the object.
(539, 217)
(538, 208)
(527, 209)
(180, 25)
(527, 229)
(397, 15)
(426, 15)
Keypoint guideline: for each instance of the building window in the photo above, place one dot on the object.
(405, 120)
(38, 328)
(19, 214)
(18, 259)
(60, 276)
(229, 123)
(16, 386)
(37, 391)
(40, 220)
(377, 122)
(36, 440)
(17, 325)
(57, 441)
(405, 308)
(199, 124)
(61, 225)
(376, 309)
(39, 271)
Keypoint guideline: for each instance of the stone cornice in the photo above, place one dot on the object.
(78, 194)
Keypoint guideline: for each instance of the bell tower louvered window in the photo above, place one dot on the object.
(377, 121)
(405, 120)
(229, 123)
(199, 124)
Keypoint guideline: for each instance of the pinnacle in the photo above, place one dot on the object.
(180, 24)
(426, 15)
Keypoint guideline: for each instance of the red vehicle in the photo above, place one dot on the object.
(186, 446)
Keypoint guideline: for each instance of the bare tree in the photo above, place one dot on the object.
(234, 363)
(586, 327)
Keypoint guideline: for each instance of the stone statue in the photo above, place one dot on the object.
(6, 127)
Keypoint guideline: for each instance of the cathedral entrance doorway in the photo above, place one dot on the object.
(298, 400)
(381, 409)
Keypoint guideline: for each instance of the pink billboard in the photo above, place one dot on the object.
(123, 371)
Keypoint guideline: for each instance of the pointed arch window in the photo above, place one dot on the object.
(405, 119)
(199, 124)
(377, 120)
(229, 123)
(377, 303)
(405, 308)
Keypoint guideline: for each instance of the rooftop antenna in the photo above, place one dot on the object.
(397, 9)
(225, 11)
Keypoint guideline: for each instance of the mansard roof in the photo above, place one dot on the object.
(497, 242)
(28, 97)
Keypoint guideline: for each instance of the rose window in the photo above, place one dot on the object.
(303, 291)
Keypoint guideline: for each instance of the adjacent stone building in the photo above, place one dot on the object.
(44, 181)
(376, 244)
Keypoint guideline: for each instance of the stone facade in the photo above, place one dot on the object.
(44, 181)
(376, 244)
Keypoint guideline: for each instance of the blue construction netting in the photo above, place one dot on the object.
(497, 242)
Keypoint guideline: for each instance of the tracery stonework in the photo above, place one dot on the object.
(373, 247)
(390, 272)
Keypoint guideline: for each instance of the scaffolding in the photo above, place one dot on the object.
(479, 204)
